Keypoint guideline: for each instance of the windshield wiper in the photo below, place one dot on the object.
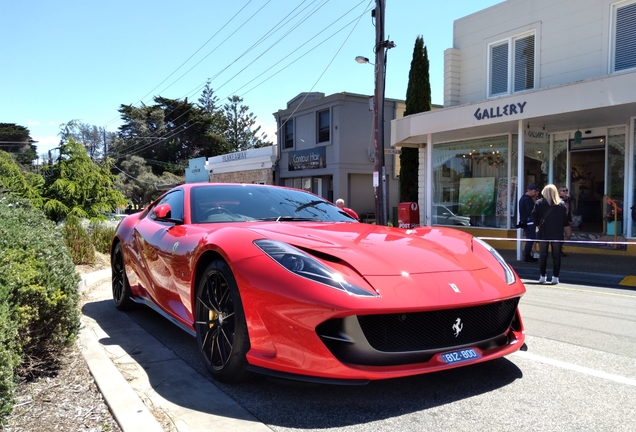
(289, 219)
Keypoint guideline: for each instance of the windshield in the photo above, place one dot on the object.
(245, 203)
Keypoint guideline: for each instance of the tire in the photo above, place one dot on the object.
(220, 324)
(121, 289)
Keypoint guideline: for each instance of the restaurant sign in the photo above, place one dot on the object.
(308, 159)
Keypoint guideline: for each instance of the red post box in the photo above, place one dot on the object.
(408, 215)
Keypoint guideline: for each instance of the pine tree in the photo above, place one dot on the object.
(240, 132)
(418, 99)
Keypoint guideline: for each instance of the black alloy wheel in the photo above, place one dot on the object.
(220, 324)
(121, 288)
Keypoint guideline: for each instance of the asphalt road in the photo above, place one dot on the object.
(579, 373)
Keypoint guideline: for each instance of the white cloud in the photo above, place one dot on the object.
(269, 129)
(33, 122)
(46, 143)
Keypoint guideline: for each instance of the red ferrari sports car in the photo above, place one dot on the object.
(280, 281)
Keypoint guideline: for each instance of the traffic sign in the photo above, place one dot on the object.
(392, 151)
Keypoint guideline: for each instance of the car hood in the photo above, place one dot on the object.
(380, 251)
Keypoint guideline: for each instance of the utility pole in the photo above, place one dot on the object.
(378, 114)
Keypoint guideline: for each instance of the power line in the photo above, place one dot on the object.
(192, 55)
(172, 134)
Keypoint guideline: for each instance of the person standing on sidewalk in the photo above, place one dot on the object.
(563, 194)
(550, 218)
(341, 205)
(526, 204)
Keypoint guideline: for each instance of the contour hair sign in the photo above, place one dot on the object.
(500, 111)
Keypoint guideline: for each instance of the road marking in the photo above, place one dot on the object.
(587, 291)
(576, 368)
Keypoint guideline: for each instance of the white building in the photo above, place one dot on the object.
(553, 80)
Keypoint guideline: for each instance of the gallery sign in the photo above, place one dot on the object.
(500, 111)
(308, 159)
(536, 136)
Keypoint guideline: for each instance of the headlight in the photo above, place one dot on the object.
(510, 275)
(306, 266)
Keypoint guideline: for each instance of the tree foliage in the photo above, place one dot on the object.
(95, 139)
(418, 99)
(75, 185)
(18, 184)
(16, 139)
(167, 134)
(137, 181)
(209, 103)
(240, 132)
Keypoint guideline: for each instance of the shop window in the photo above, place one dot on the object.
(470, 182)
(624, 36)
(560, 174)
(632, 203)
(511, 65)
(324, 126)
(289, 133)
(616, 168)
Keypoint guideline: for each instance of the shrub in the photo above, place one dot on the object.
(101, 236)
(38, 295)
(78, 241)
(9, 358)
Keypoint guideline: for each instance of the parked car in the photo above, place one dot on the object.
(280, 281)
(442, 215)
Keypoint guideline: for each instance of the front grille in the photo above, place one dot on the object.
(434, 330)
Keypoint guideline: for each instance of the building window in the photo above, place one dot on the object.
(470, 183)
(624, 36)
(324, 126)
(289, 133)
(512, 65)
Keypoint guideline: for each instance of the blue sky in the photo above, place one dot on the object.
(81, 59)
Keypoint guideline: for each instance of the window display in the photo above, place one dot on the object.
(468, 178)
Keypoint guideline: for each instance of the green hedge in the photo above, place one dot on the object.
(38, 295)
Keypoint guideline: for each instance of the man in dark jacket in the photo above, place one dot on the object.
(526, 204)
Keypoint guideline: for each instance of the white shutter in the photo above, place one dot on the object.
(499, 69)
(524, 64)
(625, 46)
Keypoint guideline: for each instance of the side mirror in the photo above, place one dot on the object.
(162, 211)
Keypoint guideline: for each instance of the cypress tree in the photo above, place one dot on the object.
(418, 99)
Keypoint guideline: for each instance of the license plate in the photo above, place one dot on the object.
(461, 355)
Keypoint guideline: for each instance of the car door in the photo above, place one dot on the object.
(157, 241)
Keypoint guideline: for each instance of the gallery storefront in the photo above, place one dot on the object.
(579, 135)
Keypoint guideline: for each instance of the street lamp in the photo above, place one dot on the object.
(379, 175)
(363, 60)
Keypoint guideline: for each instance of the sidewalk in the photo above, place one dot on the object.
(144, 383)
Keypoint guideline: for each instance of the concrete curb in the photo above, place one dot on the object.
(128, 409)
(91, 279)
